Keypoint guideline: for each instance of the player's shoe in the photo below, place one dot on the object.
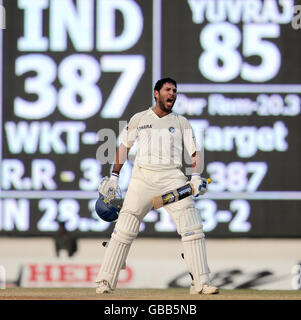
(206, 289)
(104, 287)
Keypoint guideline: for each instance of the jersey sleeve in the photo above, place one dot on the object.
(129, 133)
(189, 139)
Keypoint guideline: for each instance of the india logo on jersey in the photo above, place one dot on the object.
(171, 129)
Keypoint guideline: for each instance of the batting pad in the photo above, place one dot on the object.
(193, 240)
(126, 230)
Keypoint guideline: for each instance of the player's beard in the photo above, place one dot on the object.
(163, 107)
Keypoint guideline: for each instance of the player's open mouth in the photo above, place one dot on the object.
(170, 101)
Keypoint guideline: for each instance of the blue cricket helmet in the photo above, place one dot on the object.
(107, 210)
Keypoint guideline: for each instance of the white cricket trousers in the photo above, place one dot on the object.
(144, 185)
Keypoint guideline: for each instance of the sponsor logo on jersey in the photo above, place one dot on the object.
(171, 129)
(145, 126)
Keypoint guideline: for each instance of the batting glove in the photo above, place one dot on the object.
(199, 185)
(108, 186)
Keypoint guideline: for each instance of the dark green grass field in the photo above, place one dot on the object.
(143, 294)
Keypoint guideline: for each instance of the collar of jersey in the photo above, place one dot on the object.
(154, 113)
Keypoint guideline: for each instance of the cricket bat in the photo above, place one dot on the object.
(174, 195)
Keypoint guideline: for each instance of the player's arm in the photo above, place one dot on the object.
(199, 184)
(120, 158)
(197, 162)
(108, 186)
(197, 156)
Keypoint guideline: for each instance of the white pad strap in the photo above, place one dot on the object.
(126, 230)
(193, 240)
